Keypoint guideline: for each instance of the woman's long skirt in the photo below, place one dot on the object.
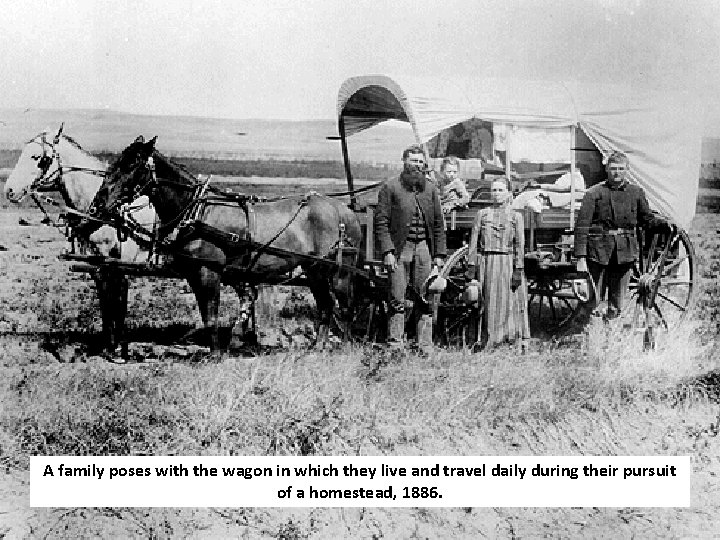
(504, 317)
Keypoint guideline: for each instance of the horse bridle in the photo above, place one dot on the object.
(137, 191)
(43, 181)
(54, 181)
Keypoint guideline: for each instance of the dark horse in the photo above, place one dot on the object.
(271, 232)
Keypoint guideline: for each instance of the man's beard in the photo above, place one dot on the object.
(414, 176)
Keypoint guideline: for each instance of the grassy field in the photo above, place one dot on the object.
(597, 396)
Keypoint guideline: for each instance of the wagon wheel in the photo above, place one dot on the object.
(558, 298)
(663, 285)
(456, 323)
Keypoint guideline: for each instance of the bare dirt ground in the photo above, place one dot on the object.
(602, 396)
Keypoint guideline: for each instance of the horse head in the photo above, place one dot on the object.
(129, 177)
(37, 169)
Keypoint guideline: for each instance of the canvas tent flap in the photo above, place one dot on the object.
(662, 135)
(660, 131)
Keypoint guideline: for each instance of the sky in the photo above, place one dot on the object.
(283, 59)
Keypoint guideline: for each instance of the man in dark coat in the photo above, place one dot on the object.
(606, 242)
(411, 233)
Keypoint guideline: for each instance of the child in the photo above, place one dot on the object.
(453, 193)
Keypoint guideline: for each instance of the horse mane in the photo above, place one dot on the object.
(68, 138)
(176, 168)
(72, 141)
(77, 146)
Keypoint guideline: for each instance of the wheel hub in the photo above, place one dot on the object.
(646, 283)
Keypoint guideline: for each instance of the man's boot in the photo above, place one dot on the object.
(396, 332)
(425, 334)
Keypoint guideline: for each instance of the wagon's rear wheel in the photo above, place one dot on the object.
(456, 322)
(663, 285)
(555, 302)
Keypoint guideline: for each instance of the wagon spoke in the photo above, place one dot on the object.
(671, 301)
(676, 282)
(662, 318)
(651, 252)
(670, 245)
(636, 313)
(672, 266)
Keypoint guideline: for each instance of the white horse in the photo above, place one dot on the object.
(61, 165)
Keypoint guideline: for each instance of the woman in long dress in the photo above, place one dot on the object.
(496, 260)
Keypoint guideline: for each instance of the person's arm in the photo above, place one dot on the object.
(382, 227)
(582, 228)
(438, 230)
(647, 218)
(519, 242)
(382, 220)
(518, 252)
(472, 247)
(464, 196)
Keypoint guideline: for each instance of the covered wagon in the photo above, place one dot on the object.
(550, 139)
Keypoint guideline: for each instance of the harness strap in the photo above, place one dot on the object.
(264, 247)
(354, 191)
(42, 208)
(232, 241)
(251, 221)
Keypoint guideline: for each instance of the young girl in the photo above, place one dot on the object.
(496, 260)
(453, 192)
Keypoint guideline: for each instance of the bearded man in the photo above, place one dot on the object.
(411, 234)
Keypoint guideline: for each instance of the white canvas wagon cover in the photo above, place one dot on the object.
(660, 131)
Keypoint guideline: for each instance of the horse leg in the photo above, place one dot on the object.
(245, 329)
(253, 314)
(102, 287)
(120, 287)
(324, 302)
(205, 283)
(116, 299)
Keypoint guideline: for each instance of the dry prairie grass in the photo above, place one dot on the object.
(565, 403)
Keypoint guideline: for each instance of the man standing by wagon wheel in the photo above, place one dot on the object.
(411, 234)
(606, 242)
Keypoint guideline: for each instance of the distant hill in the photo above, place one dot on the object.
(101, 130)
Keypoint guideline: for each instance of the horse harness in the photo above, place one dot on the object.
(187, 226)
